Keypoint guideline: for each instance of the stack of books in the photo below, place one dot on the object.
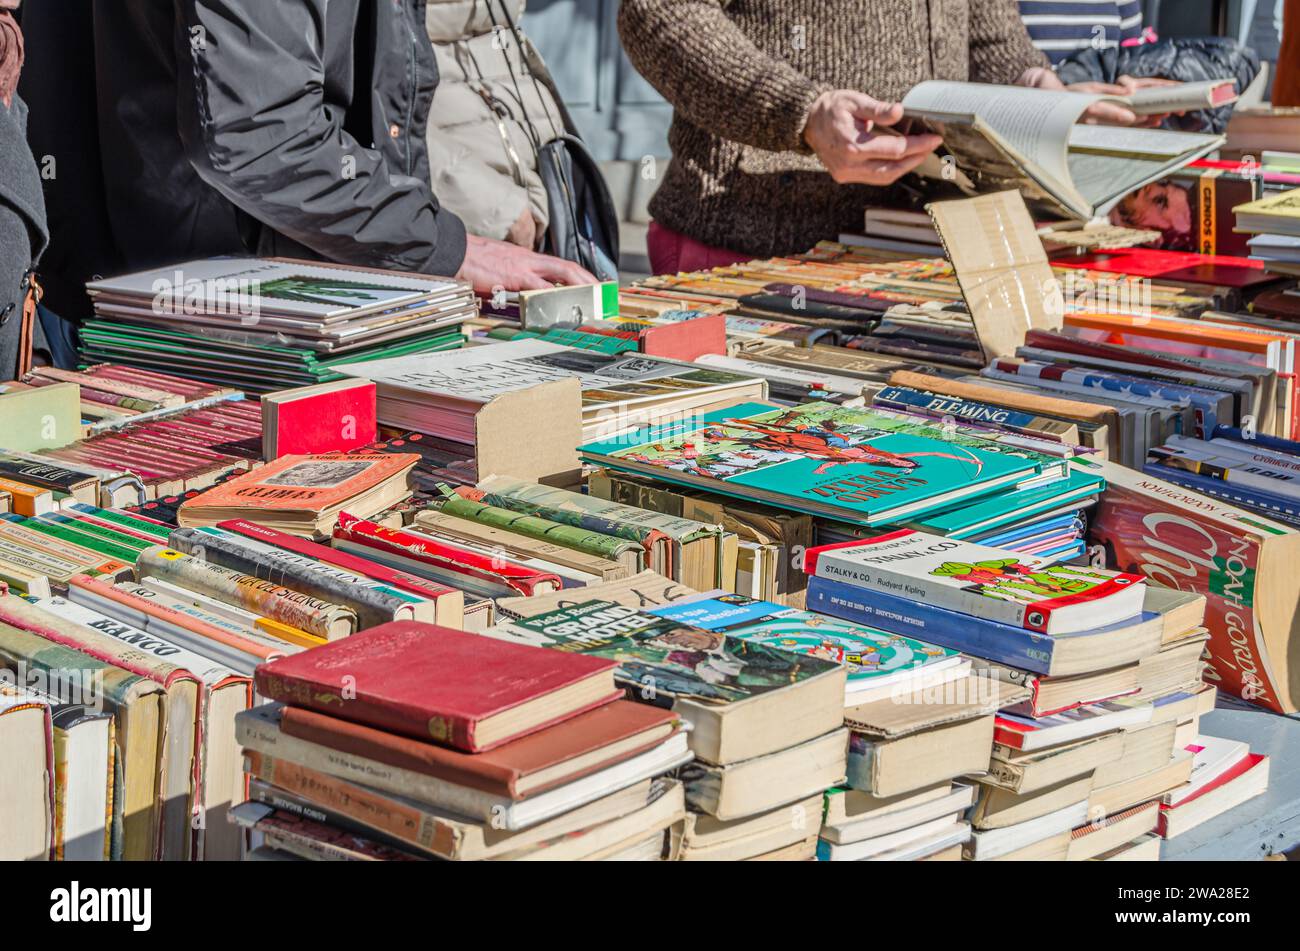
(304, 495)
(414, 741)
(1274, 222)
(263, 324)
(766, 722)
(884, 671)
(1257, 472)
(442, 394)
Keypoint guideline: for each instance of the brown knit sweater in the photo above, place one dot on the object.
(743, 74)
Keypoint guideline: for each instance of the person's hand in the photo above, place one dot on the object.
(494, 265)
(1108, 113)
(843, 129)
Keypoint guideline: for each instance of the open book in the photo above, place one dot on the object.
(1030, 139)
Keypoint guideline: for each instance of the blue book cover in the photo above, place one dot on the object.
(931, 404)
(844, 463)
(1002, 643)
(1022, 533)
(1010, 507)
(1273, 443)
(1275, 506)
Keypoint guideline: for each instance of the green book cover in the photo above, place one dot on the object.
(567, 535)
(661, 659)
(105, 547)
(845, 463)
(560, 505)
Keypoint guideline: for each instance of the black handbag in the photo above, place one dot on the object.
(583, 226)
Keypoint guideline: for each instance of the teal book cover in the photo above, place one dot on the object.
(845, 463)
(1011, 507)
(872, 656)
(661, 659)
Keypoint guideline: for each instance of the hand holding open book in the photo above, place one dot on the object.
(1032, 140)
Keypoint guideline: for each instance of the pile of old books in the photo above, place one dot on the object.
(413, 741)
(766, 720)
(1274, 223)
(268, 323)
(1100, 753)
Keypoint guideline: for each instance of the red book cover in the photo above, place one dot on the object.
(1180, 539)
(1179, 266)
(622, 729)
(426, 681)
(337, 420)
(445, 556)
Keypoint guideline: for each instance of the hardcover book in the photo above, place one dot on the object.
(979, 580)
(437, 684)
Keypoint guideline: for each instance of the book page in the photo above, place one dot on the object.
(1036, 123)
(1108, 162)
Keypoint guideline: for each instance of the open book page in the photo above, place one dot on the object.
(1108, 162)
(1034, 123)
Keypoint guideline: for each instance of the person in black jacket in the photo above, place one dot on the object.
(22, 212)
(193, 128)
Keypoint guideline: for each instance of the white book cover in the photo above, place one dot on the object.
(1005, 587)
(1212, 756)
(246, 286)
(477, 374)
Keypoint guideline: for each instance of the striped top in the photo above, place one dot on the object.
(1062, 28)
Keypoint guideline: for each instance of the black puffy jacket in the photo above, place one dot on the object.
(1183, 60)
(188, 128)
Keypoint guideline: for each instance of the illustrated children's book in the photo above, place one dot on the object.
(742, 698)
(877, 661)
(850, 464)
(985, 582)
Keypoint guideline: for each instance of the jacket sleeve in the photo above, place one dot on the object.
(255, 125)
(1000, 48)
(717, 79)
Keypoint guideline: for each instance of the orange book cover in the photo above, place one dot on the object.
(310, 483)
(1204, 334)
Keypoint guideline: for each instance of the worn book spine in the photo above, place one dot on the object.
(133, 524)
(577, 537)
(404, 581)
(110, 533)
(401, 819)
(275, 601)
(373, 602)
(55, 478)
(636, 522)
(438, 555)
(66, 533)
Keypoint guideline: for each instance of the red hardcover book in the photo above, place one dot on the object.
(585, 744)
(327, 417)
(435, 683)
(449, 598)
(415, 550)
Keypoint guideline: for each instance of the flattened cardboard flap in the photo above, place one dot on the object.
(1001, 267)
(532, 434)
